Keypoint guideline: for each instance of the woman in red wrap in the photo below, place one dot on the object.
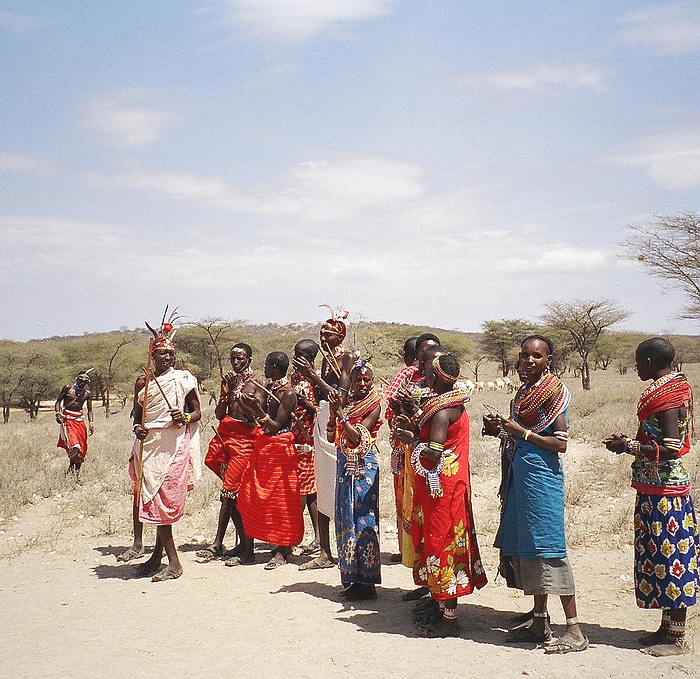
(269, 499)
(447, 558)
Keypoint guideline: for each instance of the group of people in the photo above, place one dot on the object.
(284, 445)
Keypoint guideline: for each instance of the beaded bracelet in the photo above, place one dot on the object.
(526, 434)
(354, 456)
(432, 476)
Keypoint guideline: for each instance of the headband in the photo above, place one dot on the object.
(444, 377)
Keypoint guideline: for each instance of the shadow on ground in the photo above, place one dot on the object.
(389, 614)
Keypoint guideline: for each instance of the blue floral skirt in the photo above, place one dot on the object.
(357, 521)
(666, 551)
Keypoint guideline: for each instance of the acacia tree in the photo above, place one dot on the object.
(583, 321)
(500, 337)
(15, 362)
(42, 379)
(670, 247)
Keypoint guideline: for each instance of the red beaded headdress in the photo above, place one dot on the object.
(444, 376)
(164, 335)
(335, 323)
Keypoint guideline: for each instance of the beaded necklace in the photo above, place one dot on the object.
(537, 406)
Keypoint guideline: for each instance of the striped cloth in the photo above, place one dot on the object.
(269, 500)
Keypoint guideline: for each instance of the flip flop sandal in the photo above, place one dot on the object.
(560, 647)
(524, 635)
(167, 574)
(316, 564)
(209, 553)
(130, 554)
(238, 561)
(275, 562)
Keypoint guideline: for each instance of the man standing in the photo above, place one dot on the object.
(73, 437)
(269, 500)
(230, 449)
(335, 375)
(303, 428)
(165, 458)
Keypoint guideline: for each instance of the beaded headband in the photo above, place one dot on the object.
(447, 379)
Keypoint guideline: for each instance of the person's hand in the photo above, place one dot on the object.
(404, 429)
(229, 377)
(91, 428)
(336, 403)
(179, 417)
(59, 418)
(615, 443)
(511, 427)
(251, 406)
(140, 432)
(302, 365)
(491, 425)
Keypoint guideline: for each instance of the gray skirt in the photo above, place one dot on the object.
(544, 576)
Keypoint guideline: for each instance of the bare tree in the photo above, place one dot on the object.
(113, 365)
(475, 363)
(583, 321)
(670, 247)
(219, 335)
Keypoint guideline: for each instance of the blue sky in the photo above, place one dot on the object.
(432, 163)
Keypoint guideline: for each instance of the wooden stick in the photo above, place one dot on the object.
(155, 379)
(267, 391)
(292, 414)
(330, 360)
(148, 373)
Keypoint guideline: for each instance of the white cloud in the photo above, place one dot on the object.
(672, 28)
(299, 20)
(23, 162)
(671, 160)
(557, 258)
(333, 190)
(19, 22)
(129, 118)
(546, 78)
(316, 191)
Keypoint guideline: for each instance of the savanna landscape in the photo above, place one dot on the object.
(70, 609)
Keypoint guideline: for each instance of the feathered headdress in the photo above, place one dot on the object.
(335, 322)
(164, 335)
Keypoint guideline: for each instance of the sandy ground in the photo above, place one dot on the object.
(70, 610)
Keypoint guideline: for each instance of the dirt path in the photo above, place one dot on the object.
(76, 612)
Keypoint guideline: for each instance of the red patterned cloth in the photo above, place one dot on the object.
(269, 499)
(73, 433)
(447, 558)
(229, 453)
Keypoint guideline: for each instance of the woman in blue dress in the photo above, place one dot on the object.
(531, 534)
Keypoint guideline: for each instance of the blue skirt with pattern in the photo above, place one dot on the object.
(666, 551)
(357, 521)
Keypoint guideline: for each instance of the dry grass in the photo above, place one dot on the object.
(599, 500)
